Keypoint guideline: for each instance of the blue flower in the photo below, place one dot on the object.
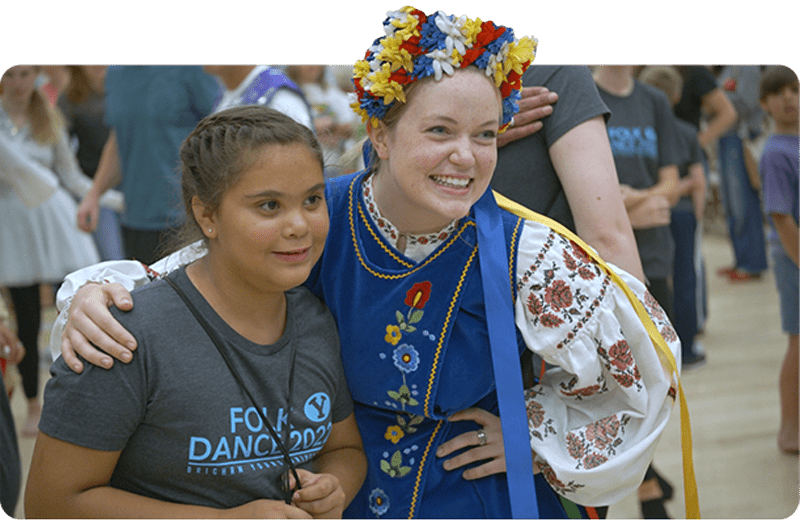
(378, 502)
(406, 358)
(431, 37)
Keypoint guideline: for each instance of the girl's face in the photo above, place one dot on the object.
(18, 83)
(438, 159)
(270, 227)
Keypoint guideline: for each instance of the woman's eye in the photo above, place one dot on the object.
(314, 200)
(489, 134)
(270, 206)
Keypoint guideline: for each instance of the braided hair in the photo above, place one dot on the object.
(221, 148)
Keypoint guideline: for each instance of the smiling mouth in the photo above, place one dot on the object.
(451, 182)
(294, 255)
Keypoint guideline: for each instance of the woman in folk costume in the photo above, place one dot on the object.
(427, 277)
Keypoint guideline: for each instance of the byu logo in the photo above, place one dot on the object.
(317, 407)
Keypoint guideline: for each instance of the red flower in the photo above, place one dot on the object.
(624, 379)
(586, 273)
(583, 391)
(580, 253)
(558, 295)
(594, 460)
(418, 295)
(535, 413)
(620, 354)
(534, 305)
(550, 320)
(669, 334)
(575, 447)
(603, 432)
(653, 307)
(569, 261)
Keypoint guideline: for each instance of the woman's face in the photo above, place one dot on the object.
(438, 159)
(271, 225)
(19, 83)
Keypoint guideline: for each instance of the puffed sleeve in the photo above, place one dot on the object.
(597, 413)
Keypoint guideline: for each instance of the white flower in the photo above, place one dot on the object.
(452, 28)
(441, 62)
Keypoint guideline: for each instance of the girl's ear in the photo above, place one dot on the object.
(379, 135)
(205, 218)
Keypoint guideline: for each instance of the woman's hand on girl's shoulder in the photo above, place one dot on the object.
(92, 332)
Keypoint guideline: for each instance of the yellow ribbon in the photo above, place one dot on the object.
(663, 351)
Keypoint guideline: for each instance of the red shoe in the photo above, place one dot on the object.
(743, 276)
(726, 271)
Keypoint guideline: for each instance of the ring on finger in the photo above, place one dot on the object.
(482, 437)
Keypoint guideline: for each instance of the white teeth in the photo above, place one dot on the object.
(456, 182)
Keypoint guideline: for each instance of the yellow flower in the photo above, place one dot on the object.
(394, 433)
(382, 87)
(393, 335)
(521, 52)
(470, 30)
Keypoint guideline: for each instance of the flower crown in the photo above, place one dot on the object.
(417, 46)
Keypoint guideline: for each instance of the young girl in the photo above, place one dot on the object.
(421, 271)
(177, 433)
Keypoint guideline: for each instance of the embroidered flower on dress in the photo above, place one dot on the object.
(394, 433)
(378, 502)
(406, 358)
(393, 334)
(418, 295)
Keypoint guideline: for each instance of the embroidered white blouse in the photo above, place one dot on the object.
(596, 416)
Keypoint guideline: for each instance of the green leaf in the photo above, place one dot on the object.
(385, 466)
(397, 459)
(394, 394)
(416, 316)
(412, 401)
(409, 329)
(403, 471)
(400, 318)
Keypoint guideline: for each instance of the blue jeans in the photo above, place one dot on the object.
(742, 206)
(687, 278)
(108, 237)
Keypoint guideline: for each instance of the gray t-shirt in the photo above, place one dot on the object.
(644, 138)
(187, 432)
(524, 170)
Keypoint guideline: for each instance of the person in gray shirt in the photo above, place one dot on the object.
(243, 406)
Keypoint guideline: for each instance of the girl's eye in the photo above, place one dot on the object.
(437, 130)
(489, 134)
(270, 206)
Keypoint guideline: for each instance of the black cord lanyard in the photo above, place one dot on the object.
(218, 344)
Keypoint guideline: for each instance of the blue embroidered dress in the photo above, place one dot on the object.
(417, 351)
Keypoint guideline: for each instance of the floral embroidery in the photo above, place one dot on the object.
(553, 300)
(538, 424)
(595, 443)
(378, 502)
(403, 395)
(619, 361)
(416, 298)
(418, 295)
(568, 389)
(393, 334)
(550, 475)
(395, 467)
(406, 358)
(394, 433)
(391, 233)
(409, 426)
